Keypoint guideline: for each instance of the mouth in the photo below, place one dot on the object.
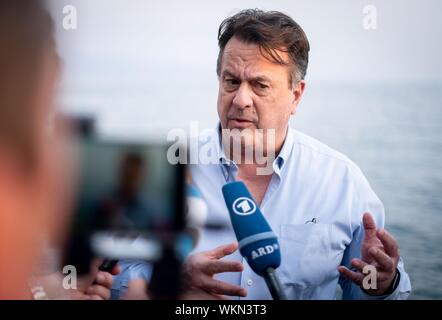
(240, 123)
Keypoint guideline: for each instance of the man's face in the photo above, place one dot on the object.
(254, 92)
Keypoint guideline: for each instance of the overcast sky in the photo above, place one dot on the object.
(182, 34)
(151, 64)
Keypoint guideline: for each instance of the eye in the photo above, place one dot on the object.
(232, 81)
(261, 86)
(231, 84)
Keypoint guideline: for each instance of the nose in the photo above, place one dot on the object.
(243, 98)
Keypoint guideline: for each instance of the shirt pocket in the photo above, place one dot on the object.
(306, 256)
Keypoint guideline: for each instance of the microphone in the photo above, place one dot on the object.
(258, 244)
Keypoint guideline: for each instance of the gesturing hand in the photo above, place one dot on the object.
(380, 250)
(201, 267)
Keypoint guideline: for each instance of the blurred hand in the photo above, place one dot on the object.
(380, 250)
(200, 268)
(96, 285)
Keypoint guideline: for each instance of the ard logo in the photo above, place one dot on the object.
(264, 251)
(244, 206)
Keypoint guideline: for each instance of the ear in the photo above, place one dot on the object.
(297, 91)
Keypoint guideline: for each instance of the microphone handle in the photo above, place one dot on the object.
(274, 285)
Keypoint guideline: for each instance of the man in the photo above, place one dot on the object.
(33, 193)
(328, 219)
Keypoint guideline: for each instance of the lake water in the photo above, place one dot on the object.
(392, 131)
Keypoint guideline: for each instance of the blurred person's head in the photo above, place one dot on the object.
(262, 64)
(132, 172)
(29, 68)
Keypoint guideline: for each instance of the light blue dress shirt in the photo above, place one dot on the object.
(314, 203)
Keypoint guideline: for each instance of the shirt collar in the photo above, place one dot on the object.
(286, 150)
(228, 166)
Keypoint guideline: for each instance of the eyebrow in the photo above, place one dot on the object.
(259, 78)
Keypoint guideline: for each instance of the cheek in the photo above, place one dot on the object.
(272, 113)
(224, 103)
(266, 111)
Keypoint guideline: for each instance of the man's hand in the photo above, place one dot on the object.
(380, 250)
(94, 286)
(200, 268)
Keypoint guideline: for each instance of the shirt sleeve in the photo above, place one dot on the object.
(130, 270)
(365, 200)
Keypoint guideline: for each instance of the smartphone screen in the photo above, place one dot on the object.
(128, 197)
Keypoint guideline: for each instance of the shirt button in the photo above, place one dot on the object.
(249, 282)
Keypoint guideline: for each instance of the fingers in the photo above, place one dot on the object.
(225, 250)
(219, 266)
(100, 292)
(103, 279)
(101, 286)
(369, 226)
(201, 267)
(384, 275)
(384, 261)
(355, 277)
(389, 243)
(359, 264)
(198, 294)
(223, 288)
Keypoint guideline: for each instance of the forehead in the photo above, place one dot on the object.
(247, 60)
